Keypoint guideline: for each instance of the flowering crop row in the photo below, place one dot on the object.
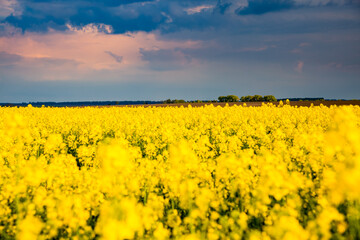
(180, 173)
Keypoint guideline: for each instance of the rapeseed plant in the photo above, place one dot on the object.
(180, 173)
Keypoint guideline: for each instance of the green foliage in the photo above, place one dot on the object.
(168, 101)
(269, 98)
(228, 98)
(258, 98)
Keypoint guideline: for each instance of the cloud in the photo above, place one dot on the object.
(198, 9)
(8, 30)
(348, 68)
(14, 66)
(84, 40)
(78, 54)
(304, 44)
(299, 66)
(91, 28)
(314, 3)
(263, 6)
(258, 7)
(256, 49)
(8, 7)
(28, 22)
(116, 57)
(123, 16)
(51, 62)
(8, 59)
(229, 6)
(165, 59)
(166, 16)
(300, 47)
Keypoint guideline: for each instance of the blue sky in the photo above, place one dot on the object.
(152, 50)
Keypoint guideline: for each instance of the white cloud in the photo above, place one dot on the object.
(198, 9)
(168, 17)
(234, 5)
(91, 28)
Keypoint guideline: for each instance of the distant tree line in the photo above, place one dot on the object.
(168, 101)
(309, 99)
(255, 98)
(258, 98)
(228, 98)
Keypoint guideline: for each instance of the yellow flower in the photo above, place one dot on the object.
(29, 228)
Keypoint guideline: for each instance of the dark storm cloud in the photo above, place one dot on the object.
(123, 16)
(258, 7)
(135, 15)
(264, 6)
(40, 16)
(38, 24)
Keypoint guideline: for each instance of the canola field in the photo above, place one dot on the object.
(180, 173)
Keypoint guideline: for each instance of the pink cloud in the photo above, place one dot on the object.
(299, 66)
(8, 7)
(88, 47)
(300, 47)
(198, 9)
(256, 49)
(304, 44)
(296, 51)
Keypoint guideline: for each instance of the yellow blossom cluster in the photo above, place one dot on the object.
(180, 172)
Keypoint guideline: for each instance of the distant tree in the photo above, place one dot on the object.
(228, 98)
(232, 98)
(257, 98)
(167, 101)
(222, 99)
(248, 98)
(269, 98)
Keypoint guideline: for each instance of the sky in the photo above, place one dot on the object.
(87, 50)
